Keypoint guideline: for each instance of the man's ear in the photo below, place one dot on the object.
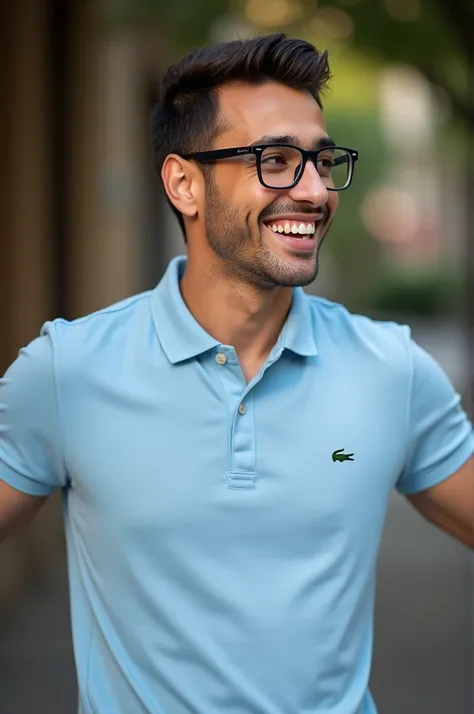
(183, 184)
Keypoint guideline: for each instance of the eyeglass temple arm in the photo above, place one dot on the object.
(342, 160)
(219, 154)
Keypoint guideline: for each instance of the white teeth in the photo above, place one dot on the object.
(303, 229)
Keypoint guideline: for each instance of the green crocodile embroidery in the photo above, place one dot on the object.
(339, 456)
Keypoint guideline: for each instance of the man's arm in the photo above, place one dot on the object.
(438, 474)
(31, 455)
(450, 504)
(16, 508)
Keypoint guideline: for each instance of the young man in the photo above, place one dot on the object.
(225, 444)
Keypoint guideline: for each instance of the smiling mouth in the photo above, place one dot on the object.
(299, 229)
(295, 229)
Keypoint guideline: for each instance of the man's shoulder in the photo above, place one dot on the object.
(348, 329)
(103, 330)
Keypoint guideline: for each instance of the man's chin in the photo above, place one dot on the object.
(295, 274)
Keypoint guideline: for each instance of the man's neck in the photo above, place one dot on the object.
(235, 313)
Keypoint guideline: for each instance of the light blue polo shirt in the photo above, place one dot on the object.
(221, 559)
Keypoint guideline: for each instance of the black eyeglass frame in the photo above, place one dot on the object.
(257, 150)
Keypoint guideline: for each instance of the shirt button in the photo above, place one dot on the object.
(221, 358)
(242, 409)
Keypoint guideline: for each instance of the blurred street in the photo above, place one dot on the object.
(422, 660)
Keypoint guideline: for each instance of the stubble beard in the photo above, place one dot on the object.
(230, 238)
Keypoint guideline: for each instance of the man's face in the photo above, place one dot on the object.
(239, 210)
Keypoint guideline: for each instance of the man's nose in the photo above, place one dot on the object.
(310, 187)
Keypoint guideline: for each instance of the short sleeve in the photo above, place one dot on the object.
(440, 435)
(31, 457)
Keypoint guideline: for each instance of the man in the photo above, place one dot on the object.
(225, 444)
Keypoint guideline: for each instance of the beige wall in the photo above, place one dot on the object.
(105, 173)
(110, 159)
(122, 172)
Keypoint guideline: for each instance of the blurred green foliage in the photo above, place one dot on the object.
(185, 24)
(437, 41)
(414, 292)
(348, 241)
(436, 36)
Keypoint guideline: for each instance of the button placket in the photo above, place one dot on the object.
(242, 467)
(240, 410)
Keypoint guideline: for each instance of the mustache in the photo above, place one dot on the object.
(289, 208)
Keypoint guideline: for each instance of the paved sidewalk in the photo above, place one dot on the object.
(36, 664)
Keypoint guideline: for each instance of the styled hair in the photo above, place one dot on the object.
(186, 116)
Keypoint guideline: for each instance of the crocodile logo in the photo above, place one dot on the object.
(339, 456)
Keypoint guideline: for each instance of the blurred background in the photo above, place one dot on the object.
(83, 223)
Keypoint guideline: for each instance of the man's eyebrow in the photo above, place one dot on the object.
(323, 142)
(276, 139)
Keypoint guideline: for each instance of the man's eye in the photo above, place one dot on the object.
(326, 162)
(274, 159)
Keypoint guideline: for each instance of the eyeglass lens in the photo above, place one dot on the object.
(280, 165)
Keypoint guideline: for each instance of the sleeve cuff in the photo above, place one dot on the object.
(23, 483)
(441, 471)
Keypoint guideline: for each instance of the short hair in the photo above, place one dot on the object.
(186, 116)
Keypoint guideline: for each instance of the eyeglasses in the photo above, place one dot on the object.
(280, 166)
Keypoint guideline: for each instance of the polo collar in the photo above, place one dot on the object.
(182, 337)
(298, 333)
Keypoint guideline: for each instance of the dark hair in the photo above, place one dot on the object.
(186, 117)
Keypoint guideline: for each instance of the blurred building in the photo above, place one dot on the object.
(82, 219)
(414, 213)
